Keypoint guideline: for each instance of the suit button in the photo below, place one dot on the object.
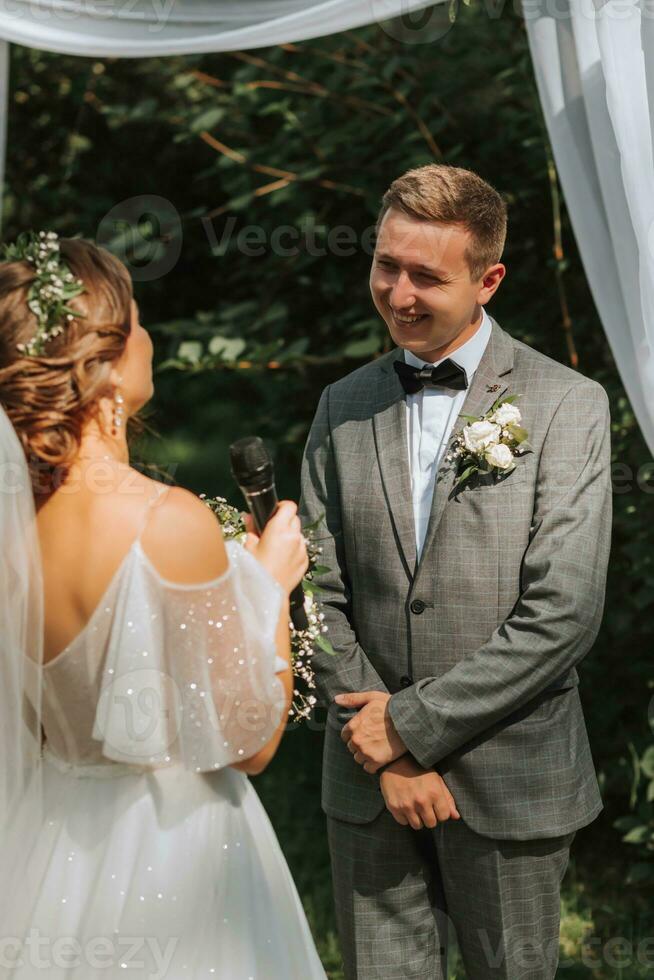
(406, 681)
(417, 606)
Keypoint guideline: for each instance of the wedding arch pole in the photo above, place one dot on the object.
(4, 112)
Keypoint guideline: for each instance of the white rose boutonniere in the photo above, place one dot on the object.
(481, 435)
(500, 456)
(491, 443)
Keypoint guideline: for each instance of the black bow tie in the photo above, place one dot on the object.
(447, 374)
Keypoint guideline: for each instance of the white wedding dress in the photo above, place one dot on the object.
(155, 859)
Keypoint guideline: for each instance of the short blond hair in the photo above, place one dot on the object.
(452, 195)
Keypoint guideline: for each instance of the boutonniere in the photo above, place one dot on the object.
(490, 443)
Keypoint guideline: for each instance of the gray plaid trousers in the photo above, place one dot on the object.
(401, 895)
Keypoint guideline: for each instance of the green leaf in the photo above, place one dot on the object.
(297, 347)
(640, 873)
(501, 401)
(325, 645)
(626, 823)
(647, 762)
(207, 119)
(309, 528)
(79, 143)
(363, 348)
(311, 587)
(466, 473)
(320, 569)
(518, 433)
(190, 350)
(638, 835)
(229, 348)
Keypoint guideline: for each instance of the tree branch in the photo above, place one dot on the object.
(286, 175)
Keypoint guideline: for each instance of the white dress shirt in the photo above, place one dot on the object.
(431, 414)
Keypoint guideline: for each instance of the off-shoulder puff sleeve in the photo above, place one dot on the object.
(190, 670)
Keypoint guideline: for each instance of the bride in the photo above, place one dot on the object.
(144, 666)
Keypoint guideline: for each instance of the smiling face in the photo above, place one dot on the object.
(421, 286)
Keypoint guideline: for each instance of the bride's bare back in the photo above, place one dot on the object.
(88, 526)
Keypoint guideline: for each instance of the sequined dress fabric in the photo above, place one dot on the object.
(156, 859)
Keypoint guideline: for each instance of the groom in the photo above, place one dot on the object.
(458, 614)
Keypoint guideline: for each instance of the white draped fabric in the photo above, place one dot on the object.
(143, 28)
(594, 66)
(594, 63)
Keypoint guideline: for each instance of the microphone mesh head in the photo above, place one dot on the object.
(250, 460)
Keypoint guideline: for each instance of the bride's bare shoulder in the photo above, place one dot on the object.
(182, 538)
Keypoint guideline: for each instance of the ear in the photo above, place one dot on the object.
(115, 377)
(490, 282)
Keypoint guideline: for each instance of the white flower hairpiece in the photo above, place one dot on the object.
(53, 286)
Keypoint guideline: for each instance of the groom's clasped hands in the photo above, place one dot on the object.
(413, 795)
(370, 735)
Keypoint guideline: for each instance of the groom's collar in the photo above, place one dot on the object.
(468, 355)
(498, 355)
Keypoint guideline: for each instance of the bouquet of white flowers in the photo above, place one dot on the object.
(303, 642)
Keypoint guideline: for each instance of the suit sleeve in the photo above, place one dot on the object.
(350, 670)
(558, 613)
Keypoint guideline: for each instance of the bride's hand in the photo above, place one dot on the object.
(281, 549)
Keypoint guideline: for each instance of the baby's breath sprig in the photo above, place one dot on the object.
(303, 642)
(53, 286)
(229, 518)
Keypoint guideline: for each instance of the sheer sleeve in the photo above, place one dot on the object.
(190, 670)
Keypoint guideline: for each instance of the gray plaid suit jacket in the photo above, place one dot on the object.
(478, 642)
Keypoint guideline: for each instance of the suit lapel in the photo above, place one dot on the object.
(495, 364)
(391, 443)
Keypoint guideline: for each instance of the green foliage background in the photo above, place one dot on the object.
(308, 137)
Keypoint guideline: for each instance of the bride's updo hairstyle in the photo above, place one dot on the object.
(49, 397)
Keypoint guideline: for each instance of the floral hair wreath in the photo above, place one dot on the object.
(51, 290)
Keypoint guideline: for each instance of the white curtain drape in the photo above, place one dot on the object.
(144, 28)
(594, 65)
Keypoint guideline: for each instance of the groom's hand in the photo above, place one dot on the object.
(416, 796)
(371, 735)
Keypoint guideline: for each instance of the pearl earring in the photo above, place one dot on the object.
(119, 409)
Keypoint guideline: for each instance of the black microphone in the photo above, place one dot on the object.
(253, 470)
